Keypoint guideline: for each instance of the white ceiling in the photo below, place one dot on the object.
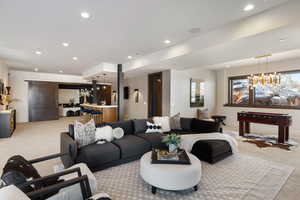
(116, 29)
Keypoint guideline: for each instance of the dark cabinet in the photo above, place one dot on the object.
(7, 123)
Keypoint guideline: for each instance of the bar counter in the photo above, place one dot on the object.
(109, 112)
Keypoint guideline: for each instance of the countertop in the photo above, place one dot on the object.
(99, 106)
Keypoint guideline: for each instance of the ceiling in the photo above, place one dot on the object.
(115, 30)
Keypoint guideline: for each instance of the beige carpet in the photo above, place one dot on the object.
(42, 138)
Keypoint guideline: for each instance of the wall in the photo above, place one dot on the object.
(3, 77)
(180, 91)
(64, 96)
(17, 81)
(139, 110)
(231, 112)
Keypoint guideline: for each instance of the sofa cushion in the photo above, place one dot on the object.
(95, 155)
(131, 146)
(155, 139)
(127, 126)
(203, 126)
(140, 125)
(186, 123)
(211, 151)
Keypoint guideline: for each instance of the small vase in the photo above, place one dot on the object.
(173, 148)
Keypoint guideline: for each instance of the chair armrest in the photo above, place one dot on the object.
(83, 180)
(50, 177)
(68, 147)
(41, 159)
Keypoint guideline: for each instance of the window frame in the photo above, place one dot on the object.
(251, 103)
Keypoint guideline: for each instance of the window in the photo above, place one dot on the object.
(285, 95)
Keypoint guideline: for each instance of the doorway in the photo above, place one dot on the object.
(155, 94)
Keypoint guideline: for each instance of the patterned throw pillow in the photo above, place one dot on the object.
(84, 134)
(164, 122)
(153, 128)
(175, 122)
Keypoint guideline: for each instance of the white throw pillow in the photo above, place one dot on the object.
(104, 133)
(84, 134)
(164, 122)
(153, 128)
(118, 133)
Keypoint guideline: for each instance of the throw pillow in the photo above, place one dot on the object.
(84, 134)
(202, 113)
(118, 133)
(175, 122)
(103, 134)
(164, 122)
(153, 128)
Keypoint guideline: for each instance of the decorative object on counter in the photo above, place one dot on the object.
(196, 93)
(85, 93)
(173, 141)
(137, 95)
(5, 97)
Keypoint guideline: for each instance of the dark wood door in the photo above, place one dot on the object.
(43, 101)
(155, 94)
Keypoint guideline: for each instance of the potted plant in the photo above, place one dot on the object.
(173, 141)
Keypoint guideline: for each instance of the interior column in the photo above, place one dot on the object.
(120, 93)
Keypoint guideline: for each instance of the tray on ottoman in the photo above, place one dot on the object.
(181, 158)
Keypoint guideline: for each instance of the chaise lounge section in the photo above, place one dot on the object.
(132, 146)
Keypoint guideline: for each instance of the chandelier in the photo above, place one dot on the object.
(264, 79)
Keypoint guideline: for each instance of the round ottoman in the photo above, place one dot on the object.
(170, 176)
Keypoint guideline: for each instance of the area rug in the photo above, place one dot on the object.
(269, 141)
(237, 177)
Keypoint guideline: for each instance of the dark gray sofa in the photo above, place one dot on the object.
(132, 146)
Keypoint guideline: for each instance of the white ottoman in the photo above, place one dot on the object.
(171, 176)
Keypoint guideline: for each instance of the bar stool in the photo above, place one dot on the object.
(97, 116)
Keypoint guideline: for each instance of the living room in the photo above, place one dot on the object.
(197, 104)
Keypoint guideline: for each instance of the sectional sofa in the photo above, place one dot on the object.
(131, 146)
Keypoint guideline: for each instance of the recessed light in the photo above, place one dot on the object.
(61, 71)
(167, 41)
(65, 44)
(129, 57)
(36, 69)
(38, 53)
(85, 15)
(249, 7)
(75, 58)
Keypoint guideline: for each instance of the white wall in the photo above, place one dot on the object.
(180, 91)
(138, 110)
(64, 96)
(3, 77)
(231, 112)
(17, 81)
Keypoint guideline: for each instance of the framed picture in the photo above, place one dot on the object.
(197, 93)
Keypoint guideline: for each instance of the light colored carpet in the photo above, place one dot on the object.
(237, 177)
(42, 138)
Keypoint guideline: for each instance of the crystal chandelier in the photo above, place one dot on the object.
(264, 79)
